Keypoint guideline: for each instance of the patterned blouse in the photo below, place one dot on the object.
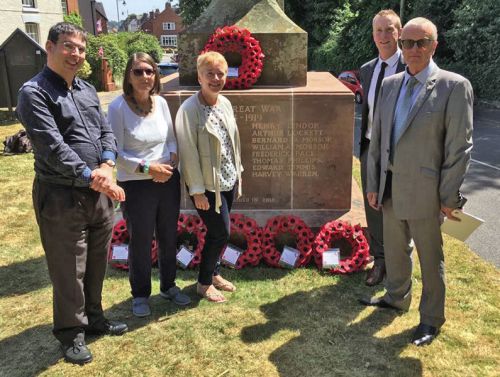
(228, 171)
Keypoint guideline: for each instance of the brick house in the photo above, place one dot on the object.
(165, 25)
(35, 17)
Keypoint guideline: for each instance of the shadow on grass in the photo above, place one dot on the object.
(34, 350)
(331, 341)
(23, 277)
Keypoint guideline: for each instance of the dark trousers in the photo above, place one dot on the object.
(218, 230)
(75, 230)
(374, 219)
(151, 208)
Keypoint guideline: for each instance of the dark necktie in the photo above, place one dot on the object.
(380, 77)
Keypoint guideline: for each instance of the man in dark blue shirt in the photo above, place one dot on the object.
(75, 153)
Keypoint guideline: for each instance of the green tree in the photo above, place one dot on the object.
(191, 10)
(117, 58)
(474, 39)
(73, 18)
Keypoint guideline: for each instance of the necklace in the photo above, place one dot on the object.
(139, 109)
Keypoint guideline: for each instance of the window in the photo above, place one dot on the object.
(29, 3)
(169, 26)
(32, 31)
(64, 6)
(169, 40)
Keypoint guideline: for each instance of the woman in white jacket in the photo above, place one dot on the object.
(210, 163)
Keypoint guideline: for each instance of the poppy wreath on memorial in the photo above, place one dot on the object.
(192, 225)
(247, 228)
(341, 230)
(238, 40)
(281, 225)
(120, 236)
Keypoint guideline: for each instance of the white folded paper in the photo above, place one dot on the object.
(331, 258)
(462, 229)
(232, 72)
(289, 257)
(231, 255)
(184, 257)
(119, 253)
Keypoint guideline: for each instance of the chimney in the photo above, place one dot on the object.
(167, 5)
(151, 15)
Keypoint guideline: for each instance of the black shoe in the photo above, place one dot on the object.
(77, 352)
(378, 302)
(424, 335)
(107, 328)
(376, 275)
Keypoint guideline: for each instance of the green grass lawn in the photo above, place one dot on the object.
(278, 323)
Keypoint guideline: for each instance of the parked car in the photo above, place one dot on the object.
(351, 80)
(167, 68)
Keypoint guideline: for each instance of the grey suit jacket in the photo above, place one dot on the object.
(433, 153)
(365, 76)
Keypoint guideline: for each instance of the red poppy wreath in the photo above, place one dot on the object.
(192, 225)
(281, 225)
(238, 40)
(247, 227)
(341, 230)
(120, 236)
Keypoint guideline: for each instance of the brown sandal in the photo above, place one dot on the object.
(215, 297)
(223, 285)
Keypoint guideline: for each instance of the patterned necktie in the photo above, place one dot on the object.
(380, 77)
(402, 111)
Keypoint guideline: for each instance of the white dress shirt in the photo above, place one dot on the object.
(392, 65)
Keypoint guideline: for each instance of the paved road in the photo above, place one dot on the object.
(482, 182)
(482, 185)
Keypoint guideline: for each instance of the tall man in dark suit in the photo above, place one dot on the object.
(386, 30)
(418, 157)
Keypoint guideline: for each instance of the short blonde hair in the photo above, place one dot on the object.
(209, 59)
(389, 13)
(421, 21)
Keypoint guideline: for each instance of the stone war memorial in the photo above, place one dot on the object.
(296, 126)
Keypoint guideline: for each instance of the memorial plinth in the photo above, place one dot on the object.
(296, 147)
(283, 43)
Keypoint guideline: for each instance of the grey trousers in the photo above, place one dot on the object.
(75, 230)
(426, 234)
(374, 218)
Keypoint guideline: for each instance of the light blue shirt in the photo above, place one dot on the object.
(421, 77)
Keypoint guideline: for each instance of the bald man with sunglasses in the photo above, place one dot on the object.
(418, 156)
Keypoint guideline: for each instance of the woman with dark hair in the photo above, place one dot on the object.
(210, 160)
(147, 161)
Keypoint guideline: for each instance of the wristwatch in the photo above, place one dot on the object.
(110, 163)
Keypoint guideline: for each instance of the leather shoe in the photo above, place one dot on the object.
(107, 328)
(424, 335)
(77, 352)
(378, 302)
(375, 275)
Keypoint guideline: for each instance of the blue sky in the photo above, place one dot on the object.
(132, 6)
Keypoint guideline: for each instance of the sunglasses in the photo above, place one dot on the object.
(139, 72)
(409, 43)
(70, 47)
